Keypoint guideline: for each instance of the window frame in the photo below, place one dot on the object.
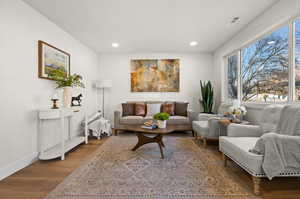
(291, 24)
(238, 75)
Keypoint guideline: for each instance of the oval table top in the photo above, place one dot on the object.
(169, 129)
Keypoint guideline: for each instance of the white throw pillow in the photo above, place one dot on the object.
(152, 109)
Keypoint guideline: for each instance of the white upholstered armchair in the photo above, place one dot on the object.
(207, 126)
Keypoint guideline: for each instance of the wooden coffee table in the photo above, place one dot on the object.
(158, 138)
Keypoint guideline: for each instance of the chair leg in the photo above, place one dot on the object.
(194, 134)
(256, 185)
(204, 142)
(224, 159)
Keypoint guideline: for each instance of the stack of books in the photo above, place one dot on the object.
(150, 125)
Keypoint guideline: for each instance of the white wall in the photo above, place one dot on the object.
(193, 68)
(276, 15)
(22, 92)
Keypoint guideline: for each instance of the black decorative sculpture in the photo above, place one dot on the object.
(77, 99)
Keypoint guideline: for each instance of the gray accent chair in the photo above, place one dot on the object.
(207, 125)
(242, 138)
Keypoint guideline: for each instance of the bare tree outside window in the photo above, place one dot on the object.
(232, 76)
(265, 68)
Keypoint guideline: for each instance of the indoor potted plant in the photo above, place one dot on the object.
(161, 119)
(207, 92)
(67, 82)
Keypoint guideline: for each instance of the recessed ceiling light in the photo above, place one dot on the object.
(193, 43)
(115, 45)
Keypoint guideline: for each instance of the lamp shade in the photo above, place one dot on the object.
(104, 84)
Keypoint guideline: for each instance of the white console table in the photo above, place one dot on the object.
(64, 146)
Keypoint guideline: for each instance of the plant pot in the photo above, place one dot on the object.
(67, 96)
(162, 124)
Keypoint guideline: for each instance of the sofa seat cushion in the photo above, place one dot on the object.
(176, 119)
(237, 149)
(132, 120)
(201, 128)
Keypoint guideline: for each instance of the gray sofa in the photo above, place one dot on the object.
(242, 138)
(206, 126)
(139, 120)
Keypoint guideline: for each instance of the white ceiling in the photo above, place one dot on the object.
(151, 25)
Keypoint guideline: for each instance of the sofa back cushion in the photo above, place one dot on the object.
(152, 109)
(289, 120)
(128, 109)
(181, 108)
(168, 108)
(140, 109)
(270, 117)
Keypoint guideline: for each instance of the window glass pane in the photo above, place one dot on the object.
(265, 68)
(232, 76)
(297, 56)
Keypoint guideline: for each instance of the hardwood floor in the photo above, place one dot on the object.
(38, 179)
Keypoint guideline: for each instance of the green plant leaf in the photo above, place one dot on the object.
(207, 96)
(63, 80)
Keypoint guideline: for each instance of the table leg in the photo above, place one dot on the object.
(142, 140)
(41, 145)
(62, 125)
(161, 150)
(162, 143)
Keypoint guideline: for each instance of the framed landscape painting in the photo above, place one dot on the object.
(50, 58)
(155, 75)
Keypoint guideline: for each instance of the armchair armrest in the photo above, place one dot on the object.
(214, 127)
(117, 116)
(205, 116)
(191, 115)
(240, 130)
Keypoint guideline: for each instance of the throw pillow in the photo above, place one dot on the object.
(128, 109)
(168, 108)
(152, 109)
(181, 108)
(140, 109)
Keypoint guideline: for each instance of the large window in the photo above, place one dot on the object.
(232, 76)
(265, 68)
(297, 57)
(263, 71)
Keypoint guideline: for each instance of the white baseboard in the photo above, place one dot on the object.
(17, 165)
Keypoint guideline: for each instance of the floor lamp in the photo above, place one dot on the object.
(103, 84)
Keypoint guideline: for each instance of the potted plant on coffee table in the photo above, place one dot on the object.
(67, 82)
(161, 119)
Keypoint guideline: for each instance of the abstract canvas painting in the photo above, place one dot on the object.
(51, 58)
(153, 75)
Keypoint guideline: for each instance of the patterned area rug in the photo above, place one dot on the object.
(115, 172)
